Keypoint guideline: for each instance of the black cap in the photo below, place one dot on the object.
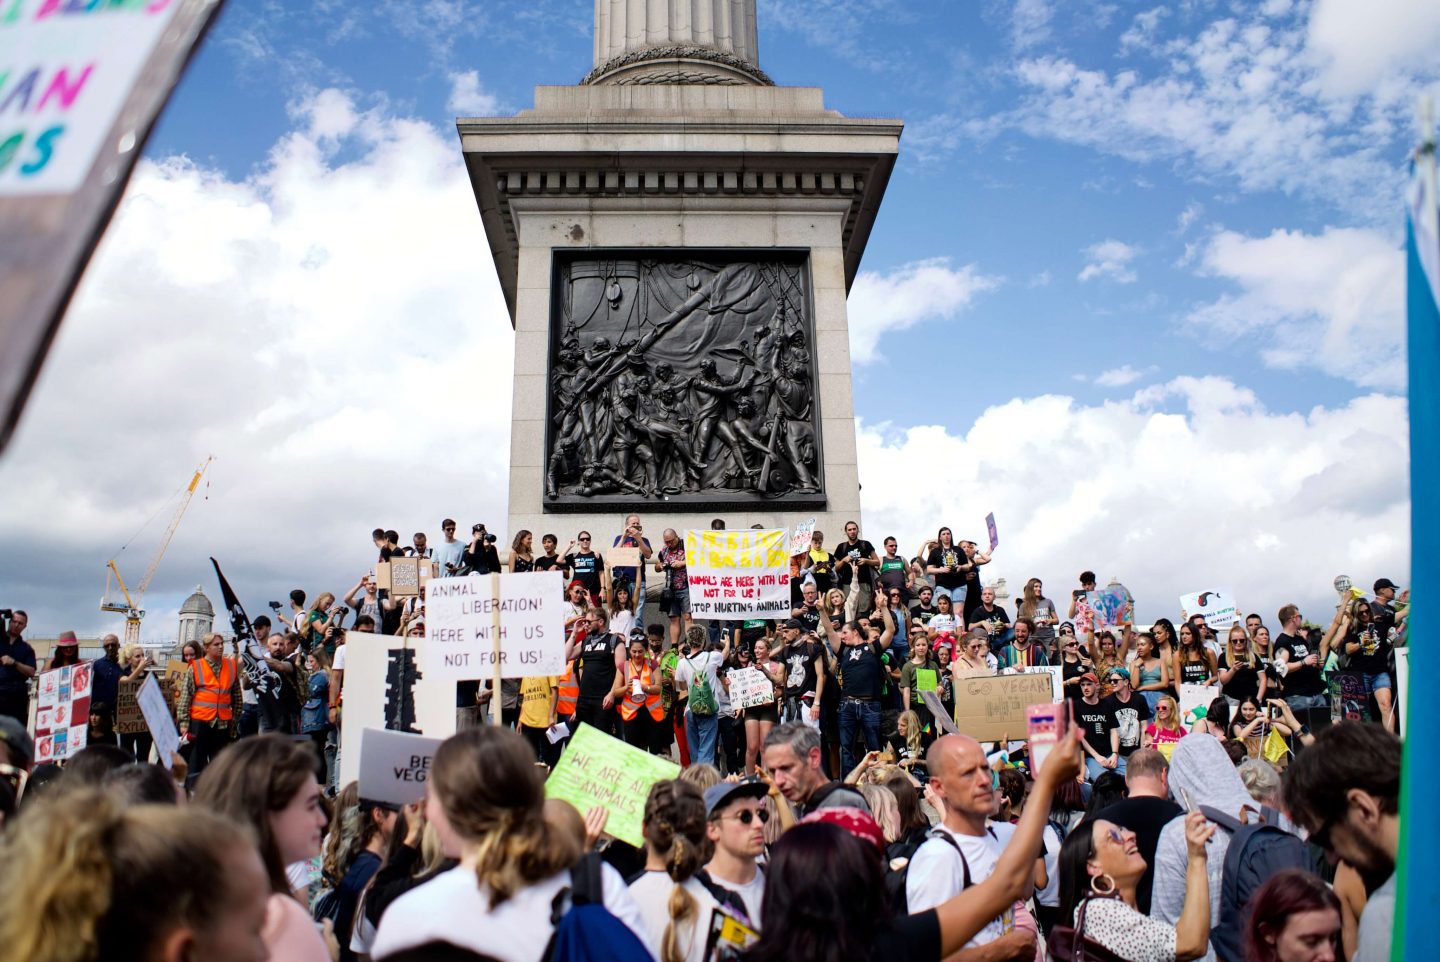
(1386, 583)
(795, 623)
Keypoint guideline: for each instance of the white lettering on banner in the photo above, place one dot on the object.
(737, 575)
(460, 626)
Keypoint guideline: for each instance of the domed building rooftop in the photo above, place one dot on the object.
(198, 604)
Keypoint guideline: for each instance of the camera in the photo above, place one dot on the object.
(489, 538)
(6, 613)
(275, 606)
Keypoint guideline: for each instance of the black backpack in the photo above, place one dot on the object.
(1257, 852)
(899, 855)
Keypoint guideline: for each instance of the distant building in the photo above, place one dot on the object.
(197, 618)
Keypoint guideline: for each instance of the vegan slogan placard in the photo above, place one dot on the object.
(600, 770)
(738, 575)
(460, 621)
(395, 766)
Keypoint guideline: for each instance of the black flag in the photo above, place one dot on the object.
(263, 680)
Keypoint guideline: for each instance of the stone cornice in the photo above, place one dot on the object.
(680, 54)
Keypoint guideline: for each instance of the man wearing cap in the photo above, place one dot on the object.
(792, 757)
(961, 851)
(735, 816)
(17, 667)
(1130, 712)
(1382, 610)
(1102, 738)
(804, 662)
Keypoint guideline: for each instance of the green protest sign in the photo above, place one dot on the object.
(927, 679)
(597, 769)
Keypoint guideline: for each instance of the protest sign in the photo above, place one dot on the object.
(937, 710)
(82, 83)
(1218, 607)
(800, 537)
(158, 719)
(623, 558)
(1193, 697)
(989, 708)
(927, 679)
(990, 527)
(129, 720)
(404, 577)
(62, 712)
(1402, 683)
(597, 769)
(385, 688)
(461, 618)
(395, 766)
(1057, 678)
(749, 688)
(1113, 606)
(1354, 698)
(738, 575)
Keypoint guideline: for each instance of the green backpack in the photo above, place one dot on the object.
(702, 698)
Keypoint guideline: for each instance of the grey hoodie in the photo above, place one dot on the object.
(1201, 767)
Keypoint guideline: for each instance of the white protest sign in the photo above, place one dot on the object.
(800, 537)
(384, 687)
(749, 688)
(395, 766)
(1057, 679)
(738, 575)
(157, 718)
(460, 619)
(1218, 607)
(1193, 697)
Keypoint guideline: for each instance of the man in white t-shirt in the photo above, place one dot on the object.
(943, 867)
(701, 729)
(735, 823)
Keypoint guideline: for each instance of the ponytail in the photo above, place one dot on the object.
(675, 828)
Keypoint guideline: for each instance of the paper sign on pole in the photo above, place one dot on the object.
(62, 713)
(800, 537)
(384, 687)
(990, 527)
(460, 617)
(158, 719)
(991, 708)
(1193, 697)
(937, 709)
(81, 84)
(597, 769)
(1218, 607)
(623, 558)
(394, 766)
(749, 688)
(738, 575)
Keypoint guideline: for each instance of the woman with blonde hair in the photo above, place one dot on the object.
(1240, 674)
(268, 783)
(675, 904)
(1040, 610)
(311, 628)
(1165, 730)
(883, 809)
(103, 882)
(487, 802)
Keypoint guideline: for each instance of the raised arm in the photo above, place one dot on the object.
(1192, 931)
(888, 634)
(828, 632)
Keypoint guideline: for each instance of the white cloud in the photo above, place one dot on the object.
(1361, 43)
(1188, 216)
(1110, 258)
(917, 292)
(1332, 301)
(1141, 34)
(468, 98)
(1030, 23)
(332, 330)
(1118, 376)
(1177, 487)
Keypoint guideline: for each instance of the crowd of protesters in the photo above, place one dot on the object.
(835, 821)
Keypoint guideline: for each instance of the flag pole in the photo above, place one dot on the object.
(1418, 891)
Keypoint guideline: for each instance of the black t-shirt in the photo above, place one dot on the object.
(1300, 679)
(1245, 683)
(892, 573)
(947, 556)
(1130, 717)
(923, 612)
(809, 618)
(1095, 721)
(751, 631)
(995, 615)
(597, 664)
(908, 937)
(802, 668)
(1372, 658)
(972, 593)
(861, 671)
(545, 562)
(860, 549)
(587, 566)
(1382, 616)
(1070, 670)
(1194, 672)
(1144, 815)
(481, 559)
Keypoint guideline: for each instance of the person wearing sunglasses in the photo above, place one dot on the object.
(735, 816)
(587, 567)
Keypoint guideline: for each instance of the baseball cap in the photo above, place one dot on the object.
(793, 623)
(1090, 677)
(718, 796)
(18, 741)
(1386, 583)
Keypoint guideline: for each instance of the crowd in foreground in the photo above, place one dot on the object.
(835, 822)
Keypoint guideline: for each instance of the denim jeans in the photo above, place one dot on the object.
(701, 732)
(865, 715)
(1094, 769)
(957, 599)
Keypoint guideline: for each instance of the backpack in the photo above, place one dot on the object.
(586, 931)
(899, 855)
(702, 697)
(1256, 852)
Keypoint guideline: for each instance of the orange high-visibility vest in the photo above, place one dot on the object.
(212, 694)
(569, 692)
(630, 706)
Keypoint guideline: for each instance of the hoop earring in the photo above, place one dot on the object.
(1097, 890)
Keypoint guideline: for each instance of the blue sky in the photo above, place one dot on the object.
(1136, 284)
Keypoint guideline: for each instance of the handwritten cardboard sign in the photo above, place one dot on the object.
(1218, 607)
(749, 688)
(395, 766)
(158, 719)
(989, 708)
(404, 577)
(800, 537)
(600, 770)
(460, 619)
(129, 720)
(623, 557)
(738, 575)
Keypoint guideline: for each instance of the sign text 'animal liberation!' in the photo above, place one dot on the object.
(461, 625)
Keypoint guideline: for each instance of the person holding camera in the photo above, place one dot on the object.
(634, 537)
(855, 566)
(481, 556)
(449, 553)
(17, 667)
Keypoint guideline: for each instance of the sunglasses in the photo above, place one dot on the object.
(748, 816)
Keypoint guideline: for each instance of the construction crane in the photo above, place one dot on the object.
(131, 608)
